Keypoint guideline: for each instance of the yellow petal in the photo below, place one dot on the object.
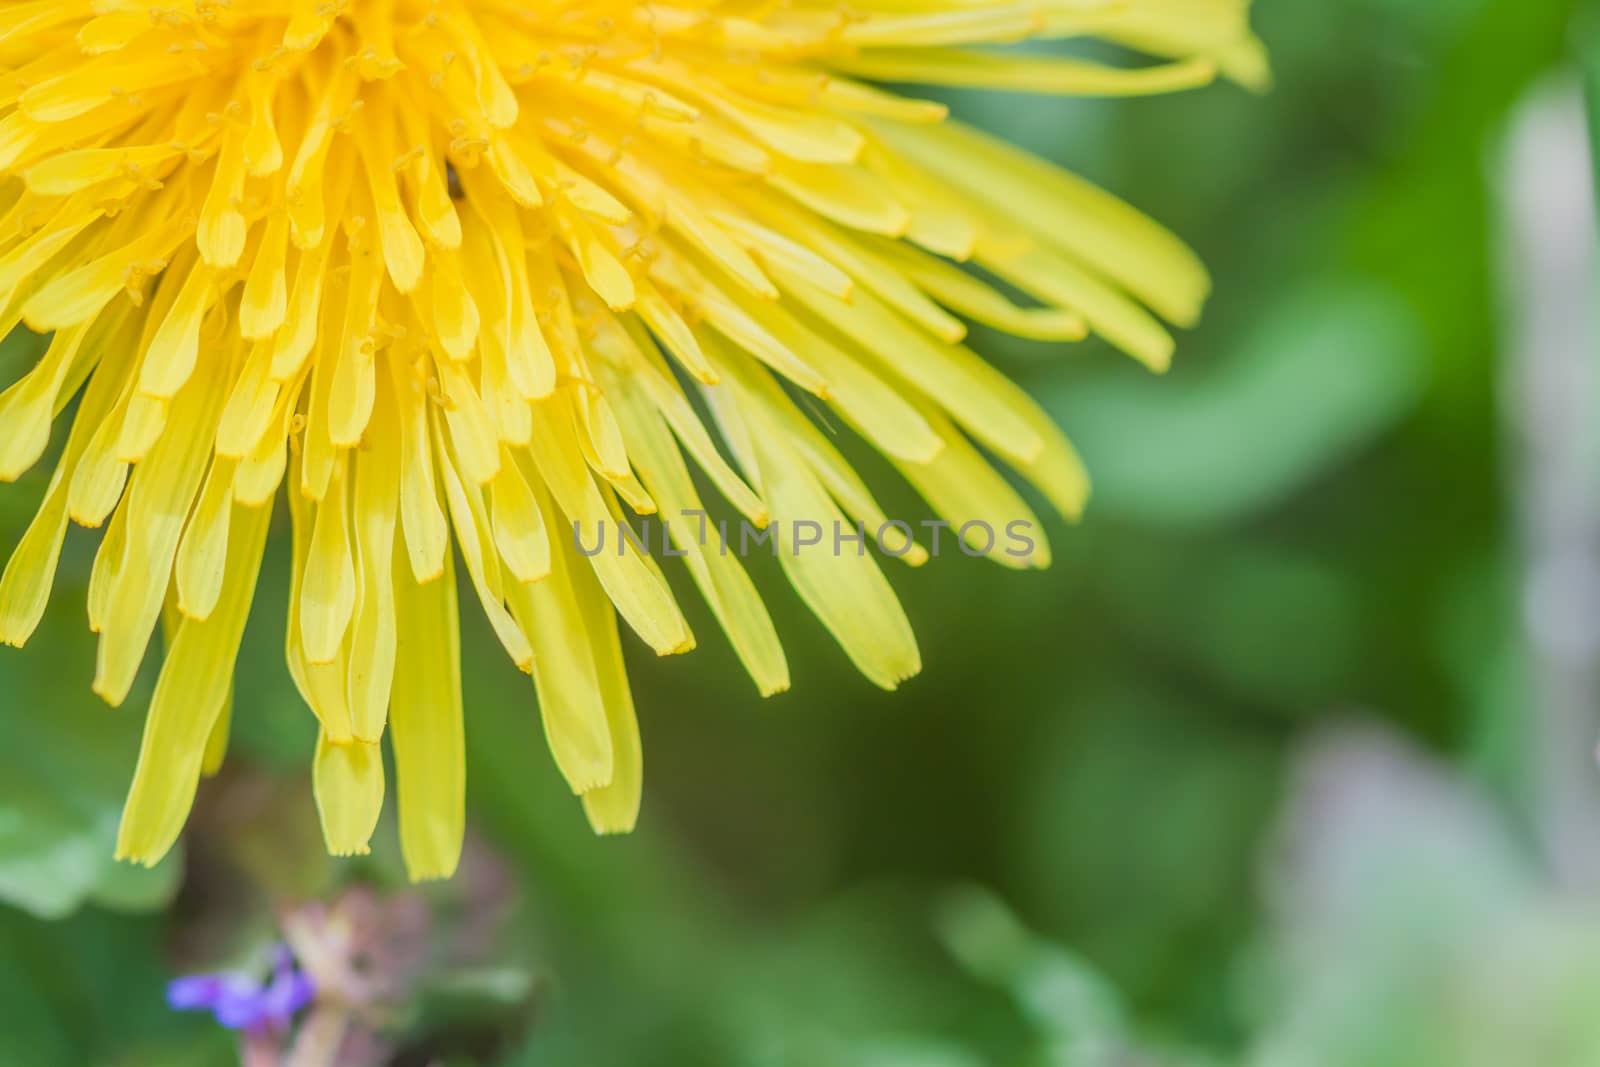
(425, 724)
(189, 697)
(348, 783)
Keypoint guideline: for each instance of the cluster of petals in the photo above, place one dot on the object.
(454, 277)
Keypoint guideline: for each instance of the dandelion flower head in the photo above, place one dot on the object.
(451, 276)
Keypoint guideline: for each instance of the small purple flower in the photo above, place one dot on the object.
(243, 1002)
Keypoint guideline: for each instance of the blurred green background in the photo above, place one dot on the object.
(1126, 815)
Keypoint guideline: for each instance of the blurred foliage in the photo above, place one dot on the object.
(61, 794)
(1409, 927)
(1304, 519)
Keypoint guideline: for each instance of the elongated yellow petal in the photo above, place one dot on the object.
(1028, 74)
(643, 600)
(566, 675)
(265, 302)
(722, 580)
(159, 497)
(475, 536)
(846, 589)
(203, 553)
(425, 719)
(520, 533)
(613, 808)
(1071, 215)
(189, 697)
(348, 783)
(328, 588)
(376, 510)
(29, 574)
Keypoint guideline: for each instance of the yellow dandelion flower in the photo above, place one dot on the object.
(454, 274)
